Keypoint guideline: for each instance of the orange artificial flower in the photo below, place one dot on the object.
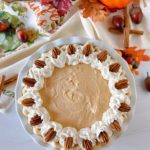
(137, 56)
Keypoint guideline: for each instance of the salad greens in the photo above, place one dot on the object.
(8, 39)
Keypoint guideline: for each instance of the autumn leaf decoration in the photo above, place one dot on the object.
(93, 9)
(139, 55)
(134, 57)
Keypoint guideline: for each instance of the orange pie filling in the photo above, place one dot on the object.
(76, 96)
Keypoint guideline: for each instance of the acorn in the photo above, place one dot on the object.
(3, 27)
(136, 14)
(118, 22)
(147, 82)
(22, 34)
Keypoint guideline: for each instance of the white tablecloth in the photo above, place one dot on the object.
(137, 137)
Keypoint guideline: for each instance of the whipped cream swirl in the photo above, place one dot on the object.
(112, 88)
(41, 111)
(35, 96)
(68, 132)
(99, 127)
(46, 71)
(60, 61)
(86, 59)
(52, 124)
(109, 116)
(74, 58)
(86, 134)
(116, 100)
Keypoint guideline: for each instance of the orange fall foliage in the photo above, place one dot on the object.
(93, 9)
(138, 55)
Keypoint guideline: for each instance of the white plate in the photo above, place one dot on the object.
(62, 41)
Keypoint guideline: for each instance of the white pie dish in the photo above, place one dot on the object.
(62, 41)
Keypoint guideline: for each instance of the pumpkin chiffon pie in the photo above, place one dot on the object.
(76, 96)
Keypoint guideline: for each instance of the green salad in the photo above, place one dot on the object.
(8, 39)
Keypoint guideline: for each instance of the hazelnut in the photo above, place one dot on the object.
(22, 34)
(3, 26)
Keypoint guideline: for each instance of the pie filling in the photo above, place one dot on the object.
(76, 96)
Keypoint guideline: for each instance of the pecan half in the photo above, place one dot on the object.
(103, 137)
(28, 102)
(68, 142)
(55, 52)
(115, 126)
(114, 67)
(30, 82)
(87, 144)
(40, 63)
(122, 84)
(124, 107)
(87, 50)
(71, 49)
(49, 135)
(102, 56)
(36, 120)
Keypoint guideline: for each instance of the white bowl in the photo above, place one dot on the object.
(62, 41)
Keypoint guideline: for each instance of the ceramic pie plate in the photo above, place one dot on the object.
(72, 40)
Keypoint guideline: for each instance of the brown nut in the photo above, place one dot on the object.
(28, 102)
(87, 144)
(49, 135)
(68, 142)
(30, 82)
(71, 49)
(102, 56)
(36, 120)
(124, 107)
(40, 63)
(22, 35)
(114, 67)
(115, 126)
(122, 84)
(103, 137)
(55, 52)
(87, 50)
(3, 27)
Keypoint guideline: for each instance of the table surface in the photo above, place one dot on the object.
(137, 137)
